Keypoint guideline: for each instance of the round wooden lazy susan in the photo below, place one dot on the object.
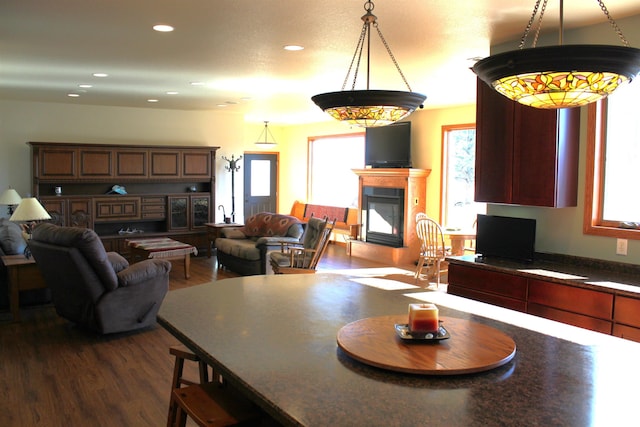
(472, 347)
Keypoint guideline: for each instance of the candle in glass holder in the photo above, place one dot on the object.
(423, 318)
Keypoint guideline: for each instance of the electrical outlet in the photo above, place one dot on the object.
(621, 247)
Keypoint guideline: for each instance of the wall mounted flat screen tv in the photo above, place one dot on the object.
(388, 146)
(506, 237)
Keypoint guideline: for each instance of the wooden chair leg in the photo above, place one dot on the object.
(182, 353)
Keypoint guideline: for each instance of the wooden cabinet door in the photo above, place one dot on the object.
(164, 164)
(57, 209)
(196, 164)
(525, 156)
(179, 210)
(131, 164)
(627, 311)
(571, 299)
(95, 163)
(80, 213)
(545, 157)
(199, 211)
(504, 290)
(494, 146)
(57, 163)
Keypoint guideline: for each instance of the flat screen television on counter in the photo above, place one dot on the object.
(506, 237)
(388, 146)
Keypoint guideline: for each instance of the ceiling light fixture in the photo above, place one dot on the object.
(560, 76)
(266, 132)
(368, 108)
(163, 28)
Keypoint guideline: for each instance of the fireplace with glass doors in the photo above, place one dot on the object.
(383, 211)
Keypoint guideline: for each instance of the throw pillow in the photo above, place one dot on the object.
(267, 224)
(233, 233)
(11, 239)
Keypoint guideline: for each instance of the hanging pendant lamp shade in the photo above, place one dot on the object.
(266, 132)
(560, 76)
(368, 108)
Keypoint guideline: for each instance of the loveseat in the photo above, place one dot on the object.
(244, 250)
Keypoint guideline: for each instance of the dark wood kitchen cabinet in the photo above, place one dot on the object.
(524, 155)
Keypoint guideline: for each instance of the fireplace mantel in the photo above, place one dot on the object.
(414, 184)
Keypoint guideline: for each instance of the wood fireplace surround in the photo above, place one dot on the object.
(413, 183)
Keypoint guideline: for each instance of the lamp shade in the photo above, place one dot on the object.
(560, 76)
(369, 108)
(10, 197)
(30, 209)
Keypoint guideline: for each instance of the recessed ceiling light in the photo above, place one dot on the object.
(197, 83)
(73, 95)
(100, 75)
(152, 100)
(85, 86)
(172, 92)
(163, 28)
(293, 47)
(223, 105)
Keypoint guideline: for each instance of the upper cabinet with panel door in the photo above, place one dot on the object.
(524, 155)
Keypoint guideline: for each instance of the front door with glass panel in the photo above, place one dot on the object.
(260, 183)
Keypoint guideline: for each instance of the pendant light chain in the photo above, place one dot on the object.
(356, 54)
(393, 58)
(613, 23)
(530, 24)
(369, 18)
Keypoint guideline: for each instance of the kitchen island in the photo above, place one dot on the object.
(274, 337)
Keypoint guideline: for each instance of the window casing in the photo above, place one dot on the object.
(459, 210)
(612, 167)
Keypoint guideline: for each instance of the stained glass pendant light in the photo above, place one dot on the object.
(560, 76)
(368, 108)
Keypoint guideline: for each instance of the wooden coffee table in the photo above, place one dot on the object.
(162, 247)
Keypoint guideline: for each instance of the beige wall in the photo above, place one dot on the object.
(559, 230)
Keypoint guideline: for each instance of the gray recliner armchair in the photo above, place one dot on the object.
(96, 289)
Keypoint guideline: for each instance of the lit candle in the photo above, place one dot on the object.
(423, 318)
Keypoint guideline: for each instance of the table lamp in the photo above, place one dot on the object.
(11, 198)
(29, 211)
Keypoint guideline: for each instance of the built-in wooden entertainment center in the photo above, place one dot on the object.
(170, 190)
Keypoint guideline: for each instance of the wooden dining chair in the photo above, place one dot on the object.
(303, 258)
(432, 250)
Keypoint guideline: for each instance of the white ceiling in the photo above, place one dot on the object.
(49, 47)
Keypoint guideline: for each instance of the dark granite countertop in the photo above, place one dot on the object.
(617, 278)
(274, 337)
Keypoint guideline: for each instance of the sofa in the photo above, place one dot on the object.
(95, 289)
(12, 242)
(244, 249)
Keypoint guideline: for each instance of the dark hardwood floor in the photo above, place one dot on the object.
(54, 374)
